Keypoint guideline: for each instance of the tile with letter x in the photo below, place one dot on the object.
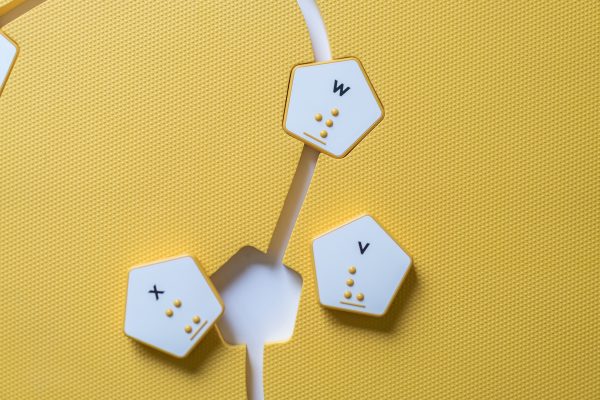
(171, 305)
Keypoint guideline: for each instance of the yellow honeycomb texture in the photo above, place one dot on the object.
(135, 131)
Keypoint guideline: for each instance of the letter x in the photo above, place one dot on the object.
(156, 292)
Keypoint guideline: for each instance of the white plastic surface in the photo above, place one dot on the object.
(250, 279)
(316, 29)
(319, 88)
(262, 297)
(380, 265)
(8, 53)
(145, 317)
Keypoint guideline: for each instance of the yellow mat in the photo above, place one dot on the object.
(135, 131)
(486, 170)
(131, 132)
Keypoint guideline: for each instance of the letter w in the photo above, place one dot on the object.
(340, 88)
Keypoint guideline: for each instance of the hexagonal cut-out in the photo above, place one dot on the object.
(331, 106)
(359, 267)
(8, 55)
(171, 305)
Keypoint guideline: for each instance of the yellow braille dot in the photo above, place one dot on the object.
(347, 294)
(169, 312)
(188, 329)
(177, 303)
(360, 297)
(329, 123)
(352, 270)
(196, 319)
(335, 112)
(323, 134)
(318, 117)
(350, 282)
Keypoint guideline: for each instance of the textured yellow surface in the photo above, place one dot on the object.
(135, 131)
(132, 132)
(486, 170)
